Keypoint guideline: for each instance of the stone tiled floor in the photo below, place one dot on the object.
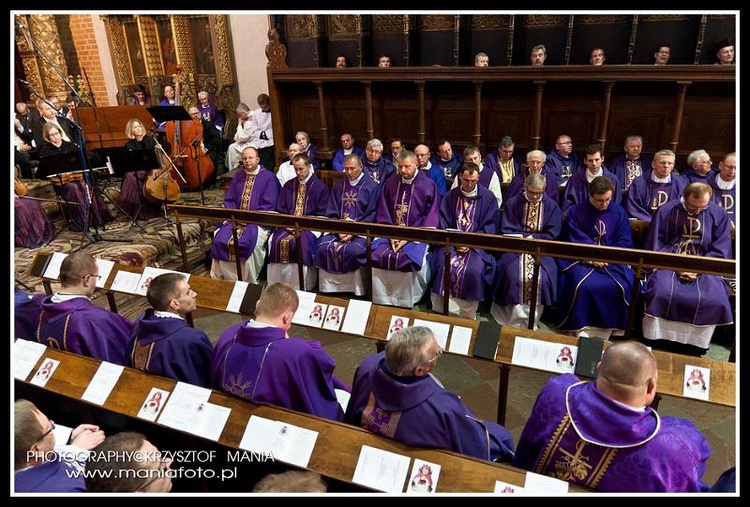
(477, 382)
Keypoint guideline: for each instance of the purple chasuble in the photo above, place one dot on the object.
(627, 170)
(704, 301)
(33, 227)
(54, 476)
(298, 199)
(646, 195)
(538, 220)
(414, 204)
(246, 192)
(577, 189)
(27, 308)
(81, 327)
(472, 272)
(262, 366)
(169, 347)
(418, 411)
(587, 295)
(724, 197)
(577, 434)
(347, 202)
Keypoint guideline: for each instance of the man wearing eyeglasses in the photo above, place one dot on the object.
(682, 306)
(563, 161)
(42, 463)
(396, 395)
(70, 321)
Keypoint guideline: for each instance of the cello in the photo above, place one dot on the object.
(187, 146)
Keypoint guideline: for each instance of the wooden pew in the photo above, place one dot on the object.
(214, 295)
(334, 456)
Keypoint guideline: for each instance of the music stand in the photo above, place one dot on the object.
(168, 113)
(129, 161)
(53, 167)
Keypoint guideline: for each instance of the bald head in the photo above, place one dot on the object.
(628, 373)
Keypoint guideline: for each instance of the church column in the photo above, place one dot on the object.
(421, 133)
(606, 105)
(477, 112)
(536, 125)
(322, 112)
(679, 110)
(368, 109)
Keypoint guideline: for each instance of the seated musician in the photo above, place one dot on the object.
(211, 144)
(132, 200)
(84, 206)
(33, 227)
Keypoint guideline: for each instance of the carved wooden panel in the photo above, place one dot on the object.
(611, 33)
(549, 30)
(679, 32)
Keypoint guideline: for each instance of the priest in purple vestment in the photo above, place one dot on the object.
(253, 188)
(724, 185)
(535, 164)
(162, 342)
(379, 167)
(487, 178)
(563, 161)
(534, 215)
(70, 321)
(304, 195)
(631, 164)
(699, 167)
(26, 310)
(604, 435)
(683, 306)
(470, 207)
(577, 189)
(594, 296)
(42, 464)
(504, 161)
(409, 199)
(354, 197)
(347, 148)
(396, 395)
(258, 361)
(655, 187)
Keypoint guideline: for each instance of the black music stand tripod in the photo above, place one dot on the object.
(53, 168)
(124, 162)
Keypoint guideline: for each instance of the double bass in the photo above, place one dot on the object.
(187, 146)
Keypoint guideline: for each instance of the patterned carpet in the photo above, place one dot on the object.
(157, 244)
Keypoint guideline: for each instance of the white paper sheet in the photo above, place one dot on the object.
(25, 356)
(460, 340)
(304, 309)
(53, 266)
(149, 273)
(103, 382)
(44, 372)
(238, 294)
(188, 410)
(286, 442)
(357, 315)
(125, 281)
(537, 483)
(544, 355)
(439, 329)
(381, 470)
